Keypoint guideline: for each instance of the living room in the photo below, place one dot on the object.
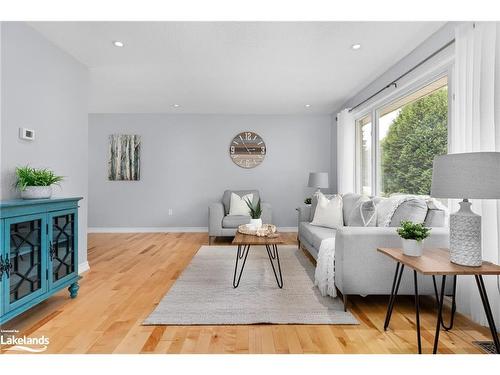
(249, 187)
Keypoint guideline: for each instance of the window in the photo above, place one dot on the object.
(364, 134)
(408, 133)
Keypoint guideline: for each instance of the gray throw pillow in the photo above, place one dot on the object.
(414, 210)
(349, 201)
(363, 214)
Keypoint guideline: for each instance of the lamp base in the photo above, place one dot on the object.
(465, 236)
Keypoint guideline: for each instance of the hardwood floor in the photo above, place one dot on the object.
(130, 273)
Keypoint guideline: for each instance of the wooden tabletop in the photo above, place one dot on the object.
(437, 262)
(248, 239)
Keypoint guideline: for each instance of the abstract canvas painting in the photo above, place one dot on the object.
(124, 157)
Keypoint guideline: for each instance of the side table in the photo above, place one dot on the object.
(436, 262)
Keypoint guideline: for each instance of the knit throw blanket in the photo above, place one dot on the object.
(324, 276)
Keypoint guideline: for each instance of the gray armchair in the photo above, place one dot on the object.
(221, 224)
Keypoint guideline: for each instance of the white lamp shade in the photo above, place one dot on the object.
(474, 175)
(318, 180)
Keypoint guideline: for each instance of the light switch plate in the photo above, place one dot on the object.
(26, 134)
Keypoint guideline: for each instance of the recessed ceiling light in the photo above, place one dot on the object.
(307, 106)
(356, 46)
(117, 43)
(176, 105)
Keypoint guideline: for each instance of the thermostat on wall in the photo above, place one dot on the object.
(27, 134)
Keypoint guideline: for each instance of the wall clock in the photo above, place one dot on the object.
(247, 150)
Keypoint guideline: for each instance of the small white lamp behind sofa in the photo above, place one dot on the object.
(474, 175)
(318, 180)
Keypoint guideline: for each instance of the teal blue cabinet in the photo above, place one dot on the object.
(38, 252)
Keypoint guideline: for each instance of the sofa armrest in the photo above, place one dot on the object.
(267, 213)
(215, 216)
(304, 214)
(357, 258)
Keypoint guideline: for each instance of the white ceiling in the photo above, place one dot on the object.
(232, 67)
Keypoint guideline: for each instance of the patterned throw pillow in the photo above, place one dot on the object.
(364, 214)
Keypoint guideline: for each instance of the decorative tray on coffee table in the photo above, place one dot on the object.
(265, 231)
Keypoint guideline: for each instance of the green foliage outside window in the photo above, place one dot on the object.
(416, 136)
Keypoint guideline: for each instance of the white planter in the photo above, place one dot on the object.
(413, 248)
(255, 223)
(36, 192)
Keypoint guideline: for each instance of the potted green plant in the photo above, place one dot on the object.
(413, 235)
(255, 214)
(36, 183)
(308, 201)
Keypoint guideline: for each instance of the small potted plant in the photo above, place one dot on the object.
(308, 201)
(413, 236)
(255, 214)
(36, 183)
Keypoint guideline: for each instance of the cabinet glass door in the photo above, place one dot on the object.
(62, 246)
(24, 264)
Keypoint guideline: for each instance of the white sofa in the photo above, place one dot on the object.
(359, 268)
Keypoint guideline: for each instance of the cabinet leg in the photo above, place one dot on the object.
(73, 290)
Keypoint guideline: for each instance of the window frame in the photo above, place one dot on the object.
(374, 110)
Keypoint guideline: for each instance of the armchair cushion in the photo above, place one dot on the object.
(238, 205)
(226, 198)
(233, 221)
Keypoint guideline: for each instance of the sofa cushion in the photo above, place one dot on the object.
(363, 214)
(349, 200)
(234, 221)
(226, 198)
(328, 212)
(314, 235)
(407, 208)
(314, 203)
(435, 218)
(413, 210)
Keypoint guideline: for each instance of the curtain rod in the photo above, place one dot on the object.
(395, 81)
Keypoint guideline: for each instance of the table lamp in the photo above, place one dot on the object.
(318, 180)
(474, 175)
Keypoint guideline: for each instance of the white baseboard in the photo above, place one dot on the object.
(83, 267)
(162, 229)
(287, 229)
(145, 229)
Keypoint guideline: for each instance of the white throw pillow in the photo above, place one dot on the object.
(328, 212)
(238, 206)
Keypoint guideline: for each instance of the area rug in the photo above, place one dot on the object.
(204, 295)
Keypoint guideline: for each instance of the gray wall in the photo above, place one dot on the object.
(44, 89)
(185, 165)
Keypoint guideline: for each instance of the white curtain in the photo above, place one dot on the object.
(346, 152)
(475, 126)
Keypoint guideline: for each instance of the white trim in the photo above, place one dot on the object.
(287, 229)
(162, 229)
(145, 229)
(83, 267)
